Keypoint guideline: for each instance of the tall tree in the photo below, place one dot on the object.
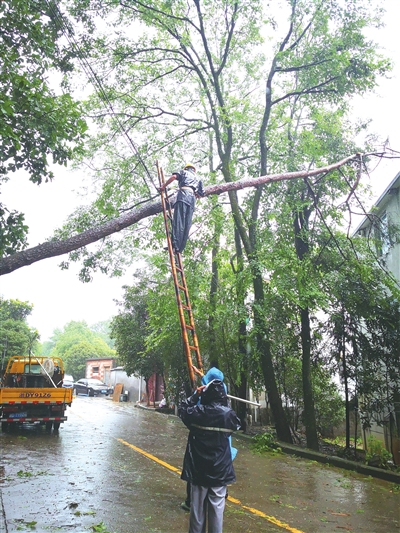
(364, 313)
(75, 343)
(208, 53)
(207, 68)
(16, 337)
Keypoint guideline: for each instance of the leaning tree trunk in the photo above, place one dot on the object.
(56, 248)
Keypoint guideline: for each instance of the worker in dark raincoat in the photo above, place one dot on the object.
(190, 188)
(208, 459)
(213, 373)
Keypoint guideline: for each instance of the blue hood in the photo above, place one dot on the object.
(213, 373)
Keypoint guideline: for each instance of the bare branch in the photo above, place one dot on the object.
(301, 67)
(317, 89)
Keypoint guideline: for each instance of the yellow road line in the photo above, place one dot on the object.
(152, 457)
(271, 519)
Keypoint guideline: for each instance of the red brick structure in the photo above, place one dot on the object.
(100, 368)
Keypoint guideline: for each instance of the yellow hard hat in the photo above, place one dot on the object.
(190, 165)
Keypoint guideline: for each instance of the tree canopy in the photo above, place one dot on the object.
(38, 125)
(76, 343)
(16, 337)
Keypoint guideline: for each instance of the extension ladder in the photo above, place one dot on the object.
(186, 318)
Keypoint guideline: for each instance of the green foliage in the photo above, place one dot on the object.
(35, 123)
(341, 441)
(329, 404)
(99, 528)
(16, 337)
(136, 341)
(76, 343)
(12, 231)
(24, 473)
(265, 443)
(364, 318)
(377, 453)
(103, 330)
(14, 310)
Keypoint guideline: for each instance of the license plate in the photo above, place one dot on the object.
(103, 391)
(18, 415)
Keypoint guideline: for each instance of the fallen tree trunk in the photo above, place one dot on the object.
(56, 248)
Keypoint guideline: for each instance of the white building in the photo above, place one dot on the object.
(383, 226)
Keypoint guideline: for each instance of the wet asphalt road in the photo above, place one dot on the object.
(94, 475)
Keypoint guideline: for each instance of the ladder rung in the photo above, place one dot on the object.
(193, 348)
(189, 327)
(186, 308)
(182, 288)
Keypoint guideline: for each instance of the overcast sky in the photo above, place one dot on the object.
(59, 297)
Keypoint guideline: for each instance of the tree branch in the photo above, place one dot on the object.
(317, 89)
(56, 248)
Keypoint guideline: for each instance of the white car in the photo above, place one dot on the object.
(68, 381)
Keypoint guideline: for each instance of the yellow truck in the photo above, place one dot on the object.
(32, 392)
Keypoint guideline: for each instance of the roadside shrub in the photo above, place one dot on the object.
(265, 443)
(377, 454)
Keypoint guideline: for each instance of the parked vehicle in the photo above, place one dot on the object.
(32, 392)
(68, 382)
(92, 387)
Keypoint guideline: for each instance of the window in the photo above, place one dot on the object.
(32, 369)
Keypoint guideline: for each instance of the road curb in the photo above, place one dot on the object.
(306, 453)
(311, 455)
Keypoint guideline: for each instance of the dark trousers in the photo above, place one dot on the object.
(182, 221)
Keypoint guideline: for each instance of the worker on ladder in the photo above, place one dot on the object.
(190, 188)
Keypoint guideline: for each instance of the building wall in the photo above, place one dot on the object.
(386, 219)
(393, 212)
(387, 211)
(135, 386)
(100, 369)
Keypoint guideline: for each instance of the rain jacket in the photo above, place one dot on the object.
(188, 178)
(215, 373)
(208, 460)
